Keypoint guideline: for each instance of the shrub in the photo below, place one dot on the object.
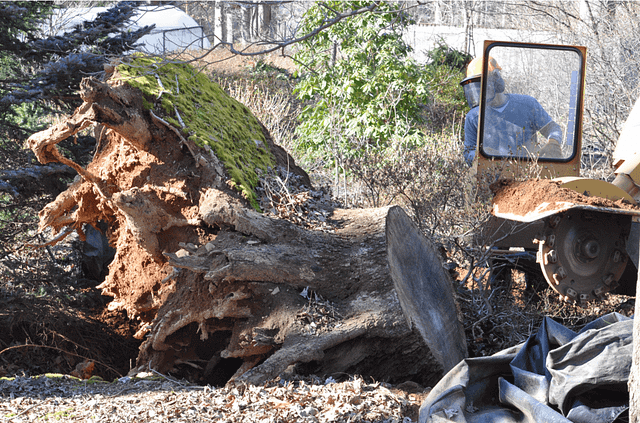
(367, 92)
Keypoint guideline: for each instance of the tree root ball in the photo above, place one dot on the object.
(221, 291)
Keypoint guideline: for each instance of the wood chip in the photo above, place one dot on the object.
(156, 399)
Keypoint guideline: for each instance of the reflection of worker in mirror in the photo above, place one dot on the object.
(512, 121)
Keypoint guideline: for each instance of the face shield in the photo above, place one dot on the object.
(471, 87)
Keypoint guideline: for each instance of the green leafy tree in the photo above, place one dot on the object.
(364, 90)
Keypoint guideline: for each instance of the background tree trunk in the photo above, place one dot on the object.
(634, 376)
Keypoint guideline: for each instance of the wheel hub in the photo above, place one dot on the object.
(587, 250)
(582, 253)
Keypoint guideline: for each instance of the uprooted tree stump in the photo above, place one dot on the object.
(224, 292)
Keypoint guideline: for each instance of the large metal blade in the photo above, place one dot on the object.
(582, 253)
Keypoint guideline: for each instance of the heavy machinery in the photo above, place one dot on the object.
(586, 244)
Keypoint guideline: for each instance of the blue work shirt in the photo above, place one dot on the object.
(510, 130)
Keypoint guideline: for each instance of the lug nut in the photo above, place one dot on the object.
(591, 249)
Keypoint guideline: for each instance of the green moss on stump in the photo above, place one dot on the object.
(211, 117)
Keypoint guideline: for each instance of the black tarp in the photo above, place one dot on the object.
(557, 375)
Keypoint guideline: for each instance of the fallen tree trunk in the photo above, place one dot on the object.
(353, 316)
(223, 292)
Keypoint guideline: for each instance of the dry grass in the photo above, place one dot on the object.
(501, 309)
(275, 108)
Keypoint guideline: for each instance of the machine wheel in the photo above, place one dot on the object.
(582, 253)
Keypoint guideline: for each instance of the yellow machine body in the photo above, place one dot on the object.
(583, 250)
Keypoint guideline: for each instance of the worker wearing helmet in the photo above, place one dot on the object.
(512, 121)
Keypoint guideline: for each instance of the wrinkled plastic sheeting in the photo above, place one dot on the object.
(557, 375)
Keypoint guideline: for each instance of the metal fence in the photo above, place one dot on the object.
(183, 39)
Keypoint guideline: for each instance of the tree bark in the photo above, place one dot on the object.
(222, 292)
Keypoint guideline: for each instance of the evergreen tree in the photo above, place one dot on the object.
(41, 75)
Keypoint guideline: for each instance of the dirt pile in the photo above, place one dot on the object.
(522, 197)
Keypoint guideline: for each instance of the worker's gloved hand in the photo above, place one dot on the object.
(551, 150)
